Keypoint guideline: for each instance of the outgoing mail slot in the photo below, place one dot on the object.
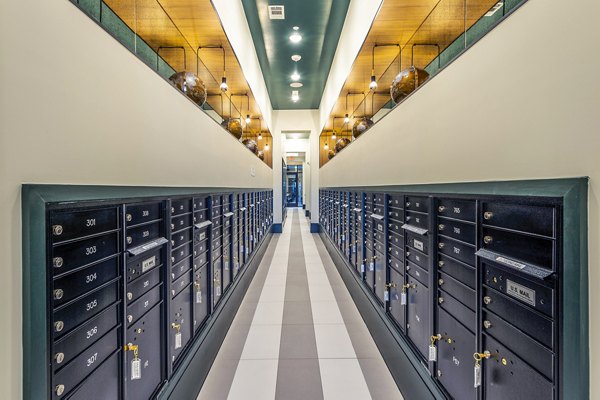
(418, 258)
(103, 383)
(181, 237)
(181, 283)
(181, 222)
(533, 219)
(141, 213)
(140, 286)
(75, 284)
(200, 203)
(396, 214)
(146, 334)
(462, 272)
(418, 242)
(417, 204)
(532, 323)
(142, 234)
(67, 225)
(515, 380)
(180, 253)
(181, 267)
(462, 231)
(523, 290)
(418, 329)
(396, 308)
(73, 255)
(200, 297)
(418, 273)
(143, 263)
(455, 357)
(139, 307)
(83, 365)
(461, 292)
(201, 216)
(516, 247)
(396, 252)
(69, 346)
(457, 250)
(417, 219)
(396, 200)
(180, 329)
(458, 310)
(529, 350)
(70, 315)
(459, 209)
(181, 206)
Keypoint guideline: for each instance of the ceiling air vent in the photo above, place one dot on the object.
(276, 12)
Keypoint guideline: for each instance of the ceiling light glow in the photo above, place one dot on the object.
(295, 96)
(295, 76)
(373, 84)
(295, 37)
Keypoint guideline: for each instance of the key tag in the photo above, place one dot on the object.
(433, 348)
(371, 266)
(403, 296)
(362, 268)
(136, 365)
(178, 343)
(386, 295)
(477, 370)
(199, 297)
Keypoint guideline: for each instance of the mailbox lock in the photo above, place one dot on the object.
(504, 361)
(440, 300)
(139, 330)
(129, 295)
(57, 230)
(441, 227)
(58, 326)
(441, 245)
(408, 204)
(129, 318)
(60, 389)
(440, 281)
(57, 262)
(441, 264)
(487, 299)
(487, 239)
(58, 294)
(488, 215)
(441, 208)
(487, 324)
(439, 373)
(408, 267)
(59, 357)
(449, 340)
(129, 217)
(129, 240)
(172, 210)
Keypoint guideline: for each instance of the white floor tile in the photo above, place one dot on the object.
(262, 343)
(268, 313)
(254, 379)
(333, 341)
(343, 380)
(272, 293)
(326, 312)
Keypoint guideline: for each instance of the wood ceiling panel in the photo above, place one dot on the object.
(406, 22)
(192, 23)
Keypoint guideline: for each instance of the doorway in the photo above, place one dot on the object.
(294, 186)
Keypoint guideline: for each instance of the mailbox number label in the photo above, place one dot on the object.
(90, 250)
(90, 222)
(91, 278)
(91, 305)
(91, 332)
(92, 359)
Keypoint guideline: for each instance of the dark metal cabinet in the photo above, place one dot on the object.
(466, 276)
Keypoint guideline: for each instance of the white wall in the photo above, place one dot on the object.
(235, 24)
(522, 103)
(77, 107)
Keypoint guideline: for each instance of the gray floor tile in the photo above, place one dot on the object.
(297, 312)
(299, 380)
(298, 341)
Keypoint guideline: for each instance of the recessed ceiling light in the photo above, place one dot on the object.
(296, 57)
(296, 84)
(296, 37)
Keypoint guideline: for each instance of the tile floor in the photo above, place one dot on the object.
(298, 334)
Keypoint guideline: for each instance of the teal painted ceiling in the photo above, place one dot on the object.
(320, 23)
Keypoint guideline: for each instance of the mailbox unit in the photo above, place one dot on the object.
(472, 284)
(128, 284)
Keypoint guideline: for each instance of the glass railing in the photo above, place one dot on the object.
(148, 31)
(451, 27)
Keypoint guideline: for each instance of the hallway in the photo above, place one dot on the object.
(298, 334)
